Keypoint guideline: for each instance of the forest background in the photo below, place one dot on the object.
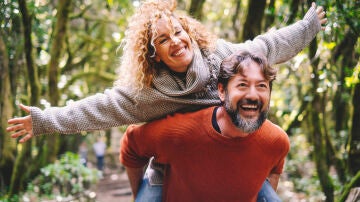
(53, 52)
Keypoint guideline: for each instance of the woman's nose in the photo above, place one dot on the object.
(175, 40)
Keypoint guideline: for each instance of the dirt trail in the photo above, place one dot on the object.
(113, 187)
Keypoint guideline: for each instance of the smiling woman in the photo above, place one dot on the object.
(172, 44)
(157, 43)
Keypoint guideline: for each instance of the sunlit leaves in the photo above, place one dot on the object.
(354, 78)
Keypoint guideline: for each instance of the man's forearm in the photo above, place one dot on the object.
(274, 180)
(135, 176)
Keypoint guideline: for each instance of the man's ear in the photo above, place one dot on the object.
(221, 92)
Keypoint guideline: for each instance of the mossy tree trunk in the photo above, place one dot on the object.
(255, 14)
(236, 22)
(196, 8)
(56, 51)
(344, 55)
(22, 167)
(270, 15)
(294, 7)
(318, 138)
(354, 153)
(7, 145)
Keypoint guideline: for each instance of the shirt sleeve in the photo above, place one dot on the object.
(131, 152)
(284, 144)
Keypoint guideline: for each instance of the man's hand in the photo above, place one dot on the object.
(135, 176)
(21, 126)
(274, 180)
(321, 15)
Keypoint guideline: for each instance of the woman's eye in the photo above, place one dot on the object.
(162, 41)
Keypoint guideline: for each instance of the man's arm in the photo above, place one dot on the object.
(274, 180)
(135, 176)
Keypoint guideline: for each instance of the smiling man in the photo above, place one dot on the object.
(222, 153)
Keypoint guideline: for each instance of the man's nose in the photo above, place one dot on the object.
(252, 93)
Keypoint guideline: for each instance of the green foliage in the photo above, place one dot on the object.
(352, 80)
(96, 29)
(66, 177)
(300, 170)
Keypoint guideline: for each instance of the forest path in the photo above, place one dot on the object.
(114, 186)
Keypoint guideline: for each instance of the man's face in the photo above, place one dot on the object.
(247, 98)
(173, 45)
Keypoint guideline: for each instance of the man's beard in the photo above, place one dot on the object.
(246, 125)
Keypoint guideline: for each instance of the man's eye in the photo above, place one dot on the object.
(178, 32)
(263, 86)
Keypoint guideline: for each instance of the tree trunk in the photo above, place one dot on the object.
(317, 135)
(57, 48)
(7, 145)
(236, 21)
(354, 153)
(270, 15)
(344, 55)
(21, 167)
(31, 68)
(196, 8)
(294, 7)
(344, 52)
(252, 26)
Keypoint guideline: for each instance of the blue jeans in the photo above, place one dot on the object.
(148, 192)
(267, 193)
(153, 193)
(100, 162)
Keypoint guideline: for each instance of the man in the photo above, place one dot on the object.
(219, 153)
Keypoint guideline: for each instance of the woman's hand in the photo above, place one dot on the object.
(21, 126)
(321, 15)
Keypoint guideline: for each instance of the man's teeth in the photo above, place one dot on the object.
(249, 106)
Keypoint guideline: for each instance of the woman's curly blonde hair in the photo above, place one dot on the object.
(137, 64)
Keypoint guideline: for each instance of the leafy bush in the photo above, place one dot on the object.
(67, 177)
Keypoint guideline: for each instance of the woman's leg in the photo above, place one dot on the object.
(267, 193)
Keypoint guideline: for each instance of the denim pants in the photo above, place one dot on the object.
(153, 193)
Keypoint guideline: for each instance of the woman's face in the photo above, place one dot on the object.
(173, 45)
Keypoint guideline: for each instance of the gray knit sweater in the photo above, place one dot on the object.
(116, 106)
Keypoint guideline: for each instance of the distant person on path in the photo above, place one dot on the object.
(221, 153)
(99, 149)
(83, 152)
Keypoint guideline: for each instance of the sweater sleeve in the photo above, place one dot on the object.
(114, 107)
(283, 44)
(283, 144)
(130, 154)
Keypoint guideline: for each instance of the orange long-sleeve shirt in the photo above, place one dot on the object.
(201, 164)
